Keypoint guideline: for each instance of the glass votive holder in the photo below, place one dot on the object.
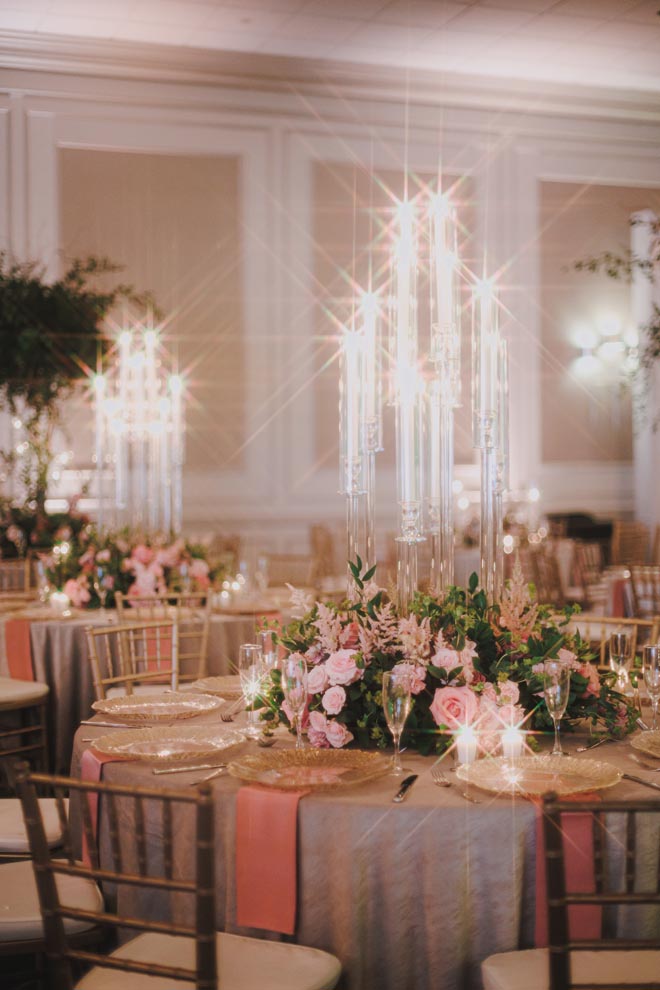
(466, 744)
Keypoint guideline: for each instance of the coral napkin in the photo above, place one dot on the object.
(585, 921)
(91, 769)
(19, 649)
(266, 858)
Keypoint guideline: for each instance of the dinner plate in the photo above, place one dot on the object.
(648, 742)
(227, 686)
(168, 744)
(164, 705)
(310, 768)
(536, 775)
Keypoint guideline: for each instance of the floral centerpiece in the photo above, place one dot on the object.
(136, 566)
(471, 662)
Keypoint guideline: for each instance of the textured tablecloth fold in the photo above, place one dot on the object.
(266, 858)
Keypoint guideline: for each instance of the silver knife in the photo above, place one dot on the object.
(188, 769)
(405, 787)
(640, 780)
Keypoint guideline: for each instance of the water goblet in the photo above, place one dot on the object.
(294, 689)
(100, 586)
(556, 689)
(621, 650)
(651, 668)
(251, 671)
(397, 702)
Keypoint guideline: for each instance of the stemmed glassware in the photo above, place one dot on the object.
(268, 642)
(397, 702)
(100, 586)
(651, 668)
(621, 651)
(294, 688)
(251, 671)
(556, 689)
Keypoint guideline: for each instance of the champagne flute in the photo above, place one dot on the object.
(100, 587)
(397, 701)
(651, 661)
(268, 642)
(620, 656)
(556, 689)
(294, 688)
(251, 670)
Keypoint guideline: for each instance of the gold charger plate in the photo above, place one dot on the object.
(535, 775)
(648, 742)
(228, 686)
(165, 705)
(320, 769)
(168, 744)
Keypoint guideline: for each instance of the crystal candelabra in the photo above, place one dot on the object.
(139, 437)
(424, 393)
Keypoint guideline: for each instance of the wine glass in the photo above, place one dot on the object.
(621, 650)
(251, 671)
(397, 701)
(100, 586)
(651, 667)
(268, 642)
(294, 688)
(556, 689)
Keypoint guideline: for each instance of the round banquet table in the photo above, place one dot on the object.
(412, 895)
(60, 659)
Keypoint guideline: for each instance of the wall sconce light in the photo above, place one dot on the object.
(608, 353)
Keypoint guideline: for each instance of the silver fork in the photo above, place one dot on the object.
(441, 780)
(228, 715)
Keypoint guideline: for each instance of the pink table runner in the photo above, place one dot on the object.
(19, 649)
(585, 921)
(91, 769)
(266, 858)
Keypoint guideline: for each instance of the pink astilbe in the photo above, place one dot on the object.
(415, 638)
(379, 635)
(301, 602)
(518, 613)
(329, 626)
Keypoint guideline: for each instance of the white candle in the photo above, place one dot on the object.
(512, 743)
(443, 261)
(352, 411)
(466, 745)
(409, 436)
(59, 602)
(406, 267)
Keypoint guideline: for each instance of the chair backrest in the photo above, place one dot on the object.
(131, 865)
(547, 577)
(630, 543)
(322, 546)
(645, 585)
(129, 654)
(626, 874)
(597, 629)
(191, 613)
(15, 575)
(290, 568)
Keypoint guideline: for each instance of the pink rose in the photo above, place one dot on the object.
(103, 556)
(341, 667)
(334, 700)
(77, 593)
(337, 734)
(143, 554)
(108, 582)
(317, 679)
(509, 692)
(590, 671)
(510, 715)
(416, 673)
(199, 572)
(454, 706)
(316, 733)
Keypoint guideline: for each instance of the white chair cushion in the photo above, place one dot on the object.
(20, 917)
(15, 692)
(13, 837)
(528, 970)
(243, 964)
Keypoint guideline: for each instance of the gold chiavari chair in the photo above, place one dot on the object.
(322, 546)
(290, 568)
(630, 543)
(23, 721)
(130, 658)
(191, 614)
(627, 885)
(645, 586)
(145, 858)
(15, 576)
(597, 629)
(547, 578)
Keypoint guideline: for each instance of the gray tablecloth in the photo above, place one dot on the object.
(59, 658)
(409, 897)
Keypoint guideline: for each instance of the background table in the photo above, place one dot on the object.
(60, 659)
(410, 895)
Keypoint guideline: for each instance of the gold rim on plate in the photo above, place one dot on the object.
(536, 775)
(648, 742)
(165, 705)
(226, 685)
(171, 744)
(320, 769)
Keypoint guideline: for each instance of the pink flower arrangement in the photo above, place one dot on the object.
(77, 591)
(454, 707)
(341, 667)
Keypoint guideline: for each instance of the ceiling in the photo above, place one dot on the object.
(613, 43)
